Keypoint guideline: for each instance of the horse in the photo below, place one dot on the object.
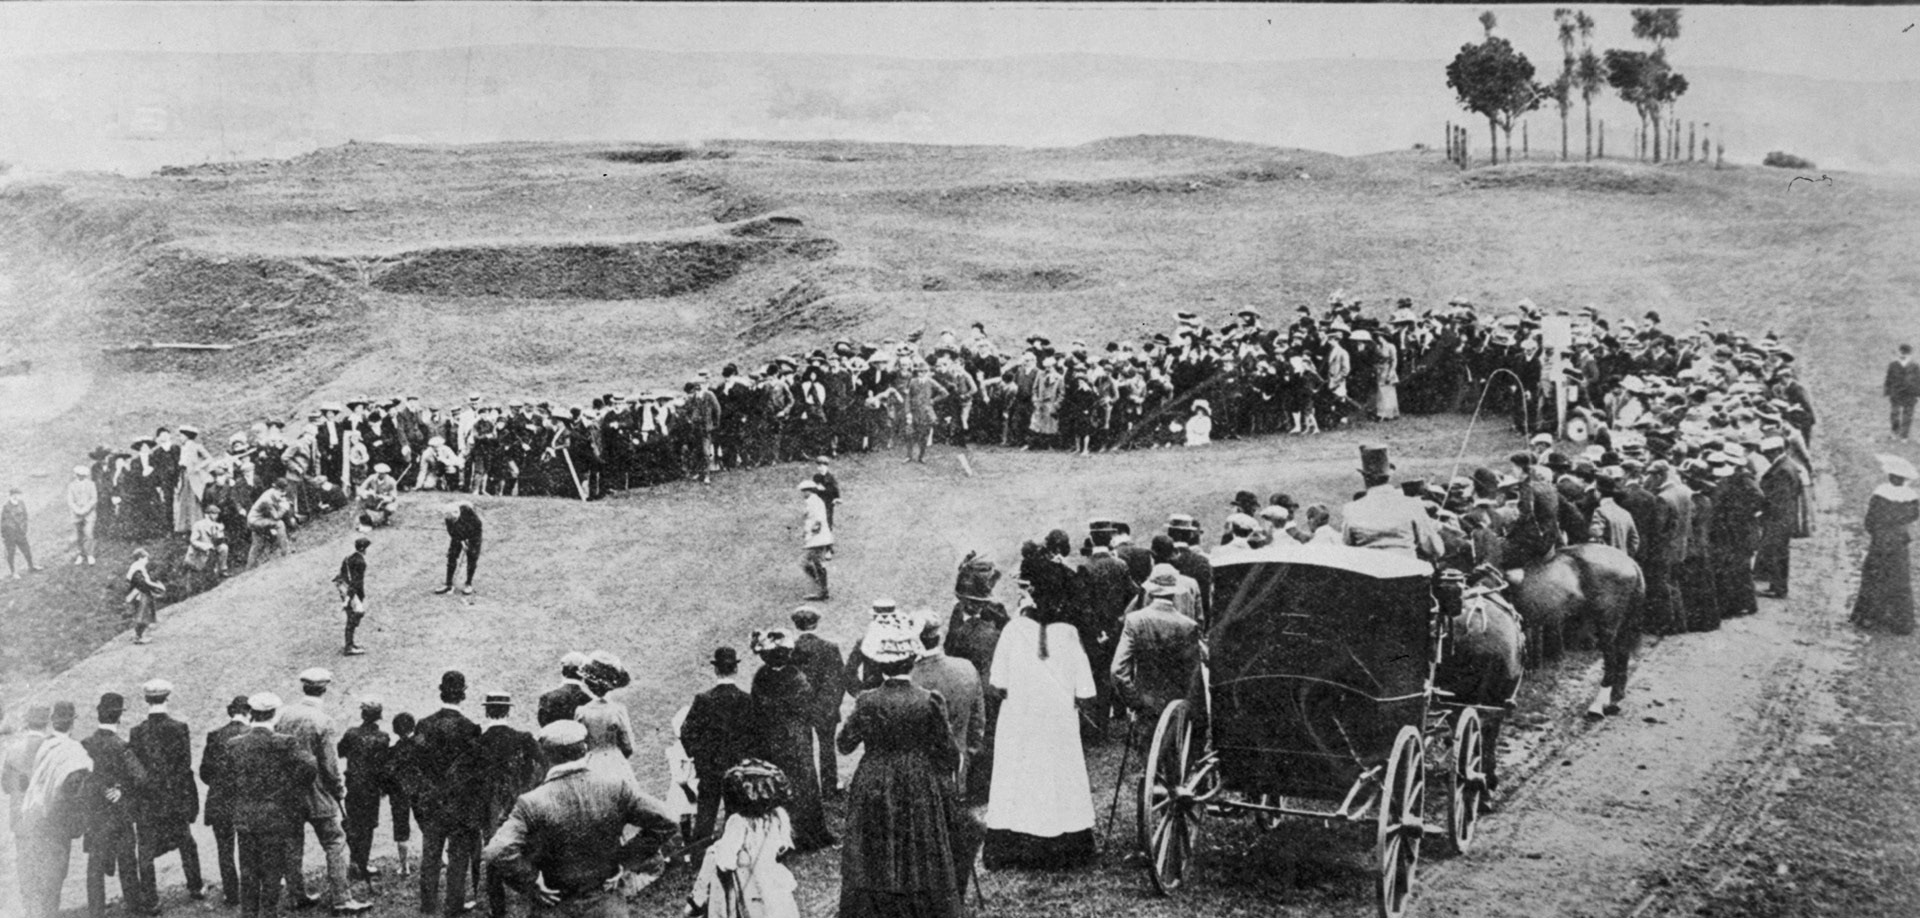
(1482, 665)
(1589, 589)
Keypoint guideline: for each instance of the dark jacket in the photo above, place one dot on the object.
(561, 703)
(1903, 381)
(719, 730)
(448, 790)
(1651, 516)
(115, 767)
(272, 774)
(364, 753)
(1194, 564)
(820, 659)
(510, 765)
(1109, 590)
(216, 774)
(165, 748)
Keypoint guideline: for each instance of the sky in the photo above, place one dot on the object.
(1839, 43)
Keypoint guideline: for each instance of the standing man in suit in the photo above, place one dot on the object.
(1109, 591)
(312, 727)
(270, 776)
(820, 659)
(510, 765)
(718, 733)
(1158, 652)
(1902, 389)
(959, 683)
(1780, 520)
(172, 800)
(351, 582)
(560, 702)
(447, 797)
(119, 780)
(829, 485)
(1184, 530)
(364, 751)
(217, 774)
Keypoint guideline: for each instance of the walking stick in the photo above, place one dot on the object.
(577, 487)
(1126, 754)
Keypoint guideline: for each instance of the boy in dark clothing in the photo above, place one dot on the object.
(399, 802)
(364, 751)
(352, 584)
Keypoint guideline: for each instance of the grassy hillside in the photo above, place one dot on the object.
(370, 268)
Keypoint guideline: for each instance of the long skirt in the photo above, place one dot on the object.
(1886, 587)
(1387, 405)
(1698, 595)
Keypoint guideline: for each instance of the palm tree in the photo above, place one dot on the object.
(1659, 26)
(1589, 74)
(1563, 87)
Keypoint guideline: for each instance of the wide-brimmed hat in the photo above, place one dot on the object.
(1897, 467)
(605, 668)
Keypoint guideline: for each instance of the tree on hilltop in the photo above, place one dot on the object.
(1561, 90)
(1643, 78)
(1494, 81)
(1589, 73)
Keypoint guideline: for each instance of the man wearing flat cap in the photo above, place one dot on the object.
(510, 765)
(308, 723)
(171, 802)
(563, 842)
(272, 774)
(365, 752)
(111, 846)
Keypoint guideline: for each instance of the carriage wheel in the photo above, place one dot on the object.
(1466, 780)
(1403, 792)
(1169, 814)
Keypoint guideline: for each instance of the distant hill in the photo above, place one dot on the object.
(138, 111)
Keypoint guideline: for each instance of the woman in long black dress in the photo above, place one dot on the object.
(783, 709)
(1886, 579)
(901, 857)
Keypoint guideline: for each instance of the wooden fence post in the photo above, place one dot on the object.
(1526, 152)
(1602, 153)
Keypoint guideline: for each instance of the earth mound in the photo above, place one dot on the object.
(645, 155)
(1598, 177)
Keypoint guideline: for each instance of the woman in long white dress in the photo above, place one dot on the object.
(1040, 812)
(1387, 406)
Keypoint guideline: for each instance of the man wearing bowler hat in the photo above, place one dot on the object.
(218, 776)
(172, 799)
(111, 841)
(717, 734)
(1384, 517)
(446, 793)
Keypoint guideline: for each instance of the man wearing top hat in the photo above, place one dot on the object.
(171, 801)
(1384, 517)
(717, 734)
(271, 774)
(112, 846)
(308, 723)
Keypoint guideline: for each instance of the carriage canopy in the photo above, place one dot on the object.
(1318, 655)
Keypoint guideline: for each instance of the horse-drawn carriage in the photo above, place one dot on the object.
(1317, 698)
